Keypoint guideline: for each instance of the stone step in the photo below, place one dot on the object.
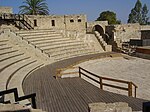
(74, 55)
(70, 72)
(11, 61)
(45, 45)
(51, 41)
(34, 31)
(3, 44)
(5, 47)
(38, 34)
(3, 40)
(11, 70)
(34, 37)
(45, 38)
(17, 79)
(62, 45)
(10, 55)
(7, 51)
(75, 51)
(64, 49)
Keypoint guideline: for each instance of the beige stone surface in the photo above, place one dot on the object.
(132, 69)
(109, 107)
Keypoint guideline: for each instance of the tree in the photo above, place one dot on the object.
(108, 16)
(138, 14)
(144, 15)
(34, 7)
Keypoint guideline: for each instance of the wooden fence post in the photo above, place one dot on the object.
(135, 92)
(130, 89)
(79, 72)
(101, 83)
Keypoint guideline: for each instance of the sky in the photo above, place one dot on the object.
(92, 8)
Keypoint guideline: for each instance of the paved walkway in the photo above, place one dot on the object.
(70, 94)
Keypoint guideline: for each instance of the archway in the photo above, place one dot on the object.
(99, 29)
(101, 32)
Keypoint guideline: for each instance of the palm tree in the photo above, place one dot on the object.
(34, 7)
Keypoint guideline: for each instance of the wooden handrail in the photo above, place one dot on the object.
(17, 17)
(129, 88)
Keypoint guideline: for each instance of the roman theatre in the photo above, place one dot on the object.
(63, 63)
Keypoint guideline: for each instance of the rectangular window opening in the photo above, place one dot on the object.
(35, 22)
(79, 20)
(71, 20)
(53, 22)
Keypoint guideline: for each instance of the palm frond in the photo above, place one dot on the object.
(34, 7)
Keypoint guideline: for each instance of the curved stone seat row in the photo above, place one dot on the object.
(55, 45)
(34, 31)
(15, 65)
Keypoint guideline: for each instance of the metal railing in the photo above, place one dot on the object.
(17, 98)
(101, 79)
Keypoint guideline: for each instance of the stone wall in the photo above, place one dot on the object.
(65, 22)
(90, 25)
(90, 39)
(109, 107)
(6, 10)
(123, 33)
(145, 27)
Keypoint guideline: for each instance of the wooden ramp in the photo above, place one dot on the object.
(70, 94)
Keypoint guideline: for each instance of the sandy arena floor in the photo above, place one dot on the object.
(136, 70)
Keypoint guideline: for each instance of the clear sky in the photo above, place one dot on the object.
(92, 8)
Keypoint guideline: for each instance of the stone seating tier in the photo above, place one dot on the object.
(44, 36)
(65, 49)
(15, 65)
(61, 43)
(54, 45)
(34, 31)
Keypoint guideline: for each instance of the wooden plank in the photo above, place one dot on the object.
(69, 94)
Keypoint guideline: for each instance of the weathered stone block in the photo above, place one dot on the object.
(110, 107)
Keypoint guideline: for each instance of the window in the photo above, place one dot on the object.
(71, 20)
(53, 22)
(35, 22)
(79, 20)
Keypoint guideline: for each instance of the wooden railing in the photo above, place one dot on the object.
(17, 98)
(101, 81)
(17, 17)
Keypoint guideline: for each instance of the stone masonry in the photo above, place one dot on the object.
(67, 22)
(6, 10)
(109, 107)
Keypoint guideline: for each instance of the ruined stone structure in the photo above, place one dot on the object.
(6, 10)
(123, 33)
(67, 22)
(76, 26)
(97, 25)
(31, 42)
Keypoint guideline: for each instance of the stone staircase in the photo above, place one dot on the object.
(15, 65)
(104, 45)
(54, 45)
